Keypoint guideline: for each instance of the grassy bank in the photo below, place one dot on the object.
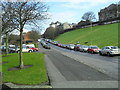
(103, 35)
(32, 75)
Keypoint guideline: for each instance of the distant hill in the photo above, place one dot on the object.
(101, 36)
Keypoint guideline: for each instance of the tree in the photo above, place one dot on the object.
(8, 24)
(50, 33)
(34, 35)
(12, 39)
(88, 16)
(27, 13)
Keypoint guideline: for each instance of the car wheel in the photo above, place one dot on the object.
(34, 50)
(18, 51)
(100, 53)
(29, 51)
(92, 52)
(109, 54)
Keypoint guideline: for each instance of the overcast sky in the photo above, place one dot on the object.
(71, 11)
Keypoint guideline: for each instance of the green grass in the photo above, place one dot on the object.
(33, 75)
(101, 36)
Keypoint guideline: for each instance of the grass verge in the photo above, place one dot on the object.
(29, 76)
(101, 36)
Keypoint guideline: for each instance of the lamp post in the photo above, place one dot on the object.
(91, 32)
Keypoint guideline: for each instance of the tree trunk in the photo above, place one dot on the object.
(6, 45)
(20, 53)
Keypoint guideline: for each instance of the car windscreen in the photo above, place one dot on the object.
(94, 47)
(85, 46)
(72, 45)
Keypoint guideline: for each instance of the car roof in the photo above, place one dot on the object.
(111, 46)
(93, 46)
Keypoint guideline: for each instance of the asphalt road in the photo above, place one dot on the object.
(66, 72)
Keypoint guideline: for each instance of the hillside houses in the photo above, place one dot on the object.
(110, 12)
(62, 25)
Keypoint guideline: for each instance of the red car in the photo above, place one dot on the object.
(93, 49)
(34, 49)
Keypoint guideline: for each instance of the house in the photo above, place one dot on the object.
(110, 12)
(26, 38)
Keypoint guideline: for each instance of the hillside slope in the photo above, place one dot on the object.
(103, 35)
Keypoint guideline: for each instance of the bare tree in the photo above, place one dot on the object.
(88, 16)
(8, 25)
(27, 13)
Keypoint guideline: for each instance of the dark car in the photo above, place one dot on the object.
(67, 46)
(77, 47)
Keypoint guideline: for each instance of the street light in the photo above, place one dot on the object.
(91, 32)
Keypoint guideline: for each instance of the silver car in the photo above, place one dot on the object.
(110, 50)
(84, 48)
(71, 46)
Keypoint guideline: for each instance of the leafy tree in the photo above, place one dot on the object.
(89, 16)
(34, 35)
(27, 13)
(50, 33)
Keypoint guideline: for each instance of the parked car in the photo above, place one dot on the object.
(24, 49)
(3, 49)
(30, 45)
(93, 49)
(84, 48)
(67, 46)
(33, 48)
(71, 46)
(77, 47)
(55, 43)
(63, 45)
(10, 49)
(110, 50)
(59, 44)
(46, 46)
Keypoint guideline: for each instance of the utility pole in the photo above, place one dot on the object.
(91, 32)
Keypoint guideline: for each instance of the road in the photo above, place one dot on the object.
(66, 70)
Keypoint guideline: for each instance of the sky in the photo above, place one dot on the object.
(71, 11)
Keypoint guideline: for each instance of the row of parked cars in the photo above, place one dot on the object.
(45, 44)
(107, 50)
(16, 49)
